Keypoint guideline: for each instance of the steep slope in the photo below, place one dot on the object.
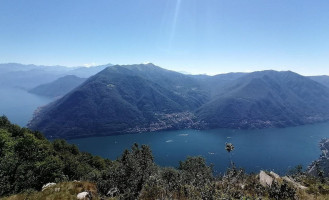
(122, 99)
(58, 87)
(267, 99)
(213, 85)
(324, 80)
(182, 85)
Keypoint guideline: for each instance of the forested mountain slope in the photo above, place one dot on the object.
(135, 98)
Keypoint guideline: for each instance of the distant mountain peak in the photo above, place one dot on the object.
(138, 68)
(59, 87)
(147, 63)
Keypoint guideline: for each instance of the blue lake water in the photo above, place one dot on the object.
(278, 149)
(18, 105)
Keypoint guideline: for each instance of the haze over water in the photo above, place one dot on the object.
(19, 105)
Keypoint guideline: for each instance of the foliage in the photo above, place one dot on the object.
(229, 147)
(282, 191)
(28, 160)
(195, 171)
(130, 173)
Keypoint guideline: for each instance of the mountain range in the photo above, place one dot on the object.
(267, 99)
(15, 75)
(136, 98)
(59, 87)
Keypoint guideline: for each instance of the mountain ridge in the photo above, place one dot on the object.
(145, 97)
(15, 75)
(114, 95)
(275, 96)
(59, 87)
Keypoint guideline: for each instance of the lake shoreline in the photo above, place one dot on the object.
(174, 129)
(322, 161)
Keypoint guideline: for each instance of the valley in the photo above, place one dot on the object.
(145, 100)
(186, 114)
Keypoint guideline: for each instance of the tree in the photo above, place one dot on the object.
(229, 147)
(195, 171)
(136, 166)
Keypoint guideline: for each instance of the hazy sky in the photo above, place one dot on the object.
(197, 36)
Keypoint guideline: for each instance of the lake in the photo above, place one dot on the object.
(18, 105)
(277, 149)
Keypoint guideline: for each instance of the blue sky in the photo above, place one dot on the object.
(197, 36)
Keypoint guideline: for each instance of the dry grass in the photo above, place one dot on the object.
(60, 191)
(69, 191)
